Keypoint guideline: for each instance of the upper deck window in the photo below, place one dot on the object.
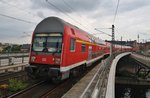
(47, 42)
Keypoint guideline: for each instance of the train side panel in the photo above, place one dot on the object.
(73, 55)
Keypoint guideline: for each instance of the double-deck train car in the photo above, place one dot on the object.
(59, 49)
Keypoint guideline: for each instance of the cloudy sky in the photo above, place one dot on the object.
(18, 18)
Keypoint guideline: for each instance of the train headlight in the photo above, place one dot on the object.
(33, 58)
(57, 60)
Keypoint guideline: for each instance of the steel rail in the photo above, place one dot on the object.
(25, 90)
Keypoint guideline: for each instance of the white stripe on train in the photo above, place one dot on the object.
(63, 69)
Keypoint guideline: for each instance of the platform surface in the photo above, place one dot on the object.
(77, 90)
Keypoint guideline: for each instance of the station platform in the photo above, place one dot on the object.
(77, 90)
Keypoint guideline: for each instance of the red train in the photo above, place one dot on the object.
(60, 49)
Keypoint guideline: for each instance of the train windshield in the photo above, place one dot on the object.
(50, 42)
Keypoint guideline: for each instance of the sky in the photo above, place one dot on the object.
(18, 18)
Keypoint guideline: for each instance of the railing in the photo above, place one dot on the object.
(13, 58)
(147, 54)
(110, 93)
(97, 86)
(15, 68)
(141, 58)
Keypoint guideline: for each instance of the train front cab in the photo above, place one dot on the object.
(45, 56)
(46, 49)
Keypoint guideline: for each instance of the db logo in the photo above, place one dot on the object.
(43, 59)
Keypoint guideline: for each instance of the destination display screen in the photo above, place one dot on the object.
(51, 34)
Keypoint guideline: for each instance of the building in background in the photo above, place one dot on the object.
(6, 47)
(125, 43)
(3, 45)
(25, 48)
(144, 46)
(1, 49)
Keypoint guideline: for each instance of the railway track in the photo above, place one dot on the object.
(47, 89)
(4, 78)
(28, 92)
(59, 90)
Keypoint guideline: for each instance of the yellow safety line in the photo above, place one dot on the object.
(84, 42)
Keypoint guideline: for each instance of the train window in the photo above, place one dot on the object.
(38, 43)
(50, 42)
(72, 44)
(83, 48)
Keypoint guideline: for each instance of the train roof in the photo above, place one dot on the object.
(55, 24)
(50, 24)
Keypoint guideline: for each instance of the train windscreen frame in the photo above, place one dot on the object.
(47, 43)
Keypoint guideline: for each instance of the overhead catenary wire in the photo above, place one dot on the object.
(26, 34)
(102, 32)
(68, 5)
(22, 20)
(59, 9)
(21, 9)
(116, 11)
(13, 29)
(71, 9)
(64, 13)
(115, 15)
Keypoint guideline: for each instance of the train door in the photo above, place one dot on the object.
(89, 56)
(90, 53)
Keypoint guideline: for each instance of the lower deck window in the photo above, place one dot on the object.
(72, 44)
